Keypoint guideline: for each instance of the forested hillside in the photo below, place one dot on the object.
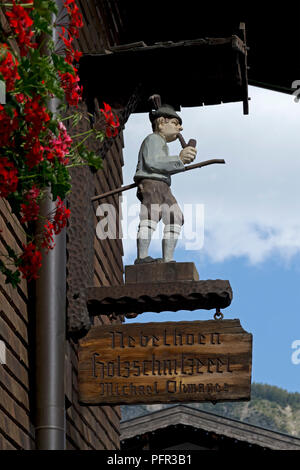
(270, 407)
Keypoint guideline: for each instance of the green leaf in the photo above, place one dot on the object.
(11, 253)
(93, 160)
(53, 126)
(76, 118)
(100, 135)
(12, 278)
(10, 110)
(60, 190)
(60, 64)
(60, 184)
(41, 25)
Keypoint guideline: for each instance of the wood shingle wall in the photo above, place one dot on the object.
(102, 24)
(16, 431)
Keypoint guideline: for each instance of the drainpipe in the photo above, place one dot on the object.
(50, 344)
(50, 307)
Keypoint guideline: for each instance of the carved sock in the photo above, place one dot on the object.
(145, 232)
(170, 238)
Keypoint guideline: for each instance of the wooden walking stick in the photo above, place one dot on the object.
(134, 185)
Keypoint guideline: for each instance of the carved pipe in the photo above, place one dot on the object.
(191, 142)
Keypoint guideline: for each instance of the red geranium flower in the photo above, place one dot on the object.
(30, 262)
(8, 125)
(71, 54)
(20, 97)
(60, 146)
(72, 90)
(35, 114)
(75, 17)
(48, 237)
(61, 216)
(36, 117)
(21, 22)
(112, 122)
(8, 67)
(35, 153)
(30, 209)
(8, 177)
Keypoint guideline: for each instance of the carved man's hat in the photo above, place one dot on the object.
(164, 110)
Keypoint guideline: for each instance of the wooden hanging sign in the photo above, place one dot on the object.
(198, 361)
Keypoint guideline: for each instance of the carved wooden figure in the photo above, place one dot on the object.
(153, 177)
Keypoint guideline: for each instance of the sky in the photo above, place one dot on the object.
(242, 221)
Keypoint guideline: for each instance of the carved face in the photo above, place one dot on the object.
(169, 128)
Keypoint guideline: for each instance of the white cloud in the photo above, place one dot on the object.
(252, 203)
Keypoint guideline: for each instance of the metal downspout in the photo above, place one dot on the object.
(50, 337)
(50, 345)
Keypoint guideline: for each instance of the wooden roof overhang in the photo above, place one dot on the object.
(272, 32)
(197, 72)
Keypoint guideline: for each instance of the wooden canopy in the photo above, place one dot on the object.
(272, 33)
(186, 73)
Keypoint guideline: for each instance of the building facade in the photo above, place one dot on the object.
(90, 261)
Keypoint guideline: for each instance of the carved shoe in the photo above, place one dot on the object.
(148, 259)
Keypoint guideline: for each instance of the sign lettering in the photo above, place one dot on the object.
(165, 362)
